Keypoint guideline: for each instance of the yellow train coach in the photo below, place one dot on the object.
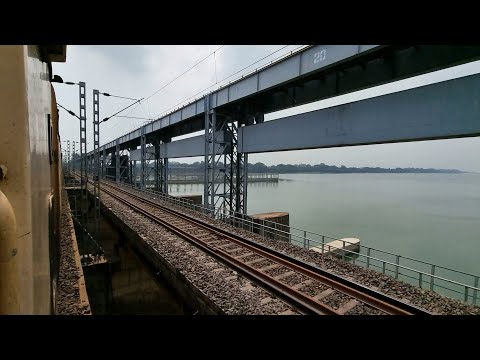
(30, 179)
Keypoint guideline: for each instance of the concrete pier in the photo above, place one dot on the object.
(279, 221)
(194, 178)
(338, 247)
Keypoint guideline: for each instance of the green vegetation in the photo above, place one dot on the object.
(306, 168)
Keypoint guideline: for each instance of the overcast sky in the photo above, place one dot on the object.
(139, 71)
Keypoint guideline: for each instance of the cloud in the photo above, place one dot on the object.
(138, 71)
(122, 57)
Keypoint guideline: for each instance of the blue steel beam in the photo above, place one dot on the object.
(314, 73)
(367, 121)
(309, 60)
(194, 146)
(448, 109)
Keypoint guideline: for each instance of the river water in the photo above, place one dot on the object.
(430, 217)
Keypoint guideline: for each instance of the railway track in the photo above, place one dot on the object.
(307, 288)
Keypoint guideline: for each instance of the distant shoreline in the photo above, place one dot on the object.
(386, 172)
(332, 169)
(315, 169)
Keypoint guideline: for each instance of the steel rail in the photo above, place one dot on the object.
(365, 295)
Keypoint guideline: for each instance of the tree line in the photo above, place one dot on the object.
(307, 168)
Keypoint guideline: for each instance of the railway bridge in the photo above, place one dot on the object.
(215, 253)
(232, 117)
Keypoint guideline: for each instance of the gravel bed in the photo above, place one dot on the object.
(232, 292)
(294, 279)
(198, 232)
(218, 243)
(238, 252)
(364, 310)
(313, 288)
(277, 271)
(336, 300)
(262, 264)
(68, 296)
(251, 258)
(230, 247)
(429, 300)
(211, 239)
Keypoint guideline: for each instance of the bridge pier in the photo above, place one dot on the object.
(161, 167)
(158, 166)
(131, 169)
(221, 141)
(117, 161)
(104, 160)
(143, 156)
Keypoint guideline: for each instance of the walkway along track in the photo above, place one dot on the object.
(287, 277)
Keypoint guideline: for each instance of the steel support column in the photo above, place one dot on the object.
(161, 169)
(130, 172)
(158, 166)
(83, 155)
(74, 159)
(208, 192)
(241, 182)
(135, 173)
(143, 150)
(117, 160)
(96, 161)
(225, 183)
(150, 165)
(123, 165)
(69, 165)
(236, 174)
(104, 163)
(164, 183)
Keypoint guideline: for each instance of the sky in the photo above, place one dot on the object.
(150, 72)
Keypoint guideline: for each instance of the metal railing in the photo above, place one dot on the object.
(440, 279)
(175, 178)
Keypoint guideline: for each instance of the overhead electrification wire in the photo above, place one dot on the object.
(179, 76)
(173, 107)
(186, 71)
(116, 96)
(120, 97)
(69, 111)
(228, 77)
(134, 117)
(164, 86)
(118, 112)
(157, 91)
(246, 67)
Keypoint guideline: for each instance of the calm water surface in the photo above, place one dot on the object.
(431, 217)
